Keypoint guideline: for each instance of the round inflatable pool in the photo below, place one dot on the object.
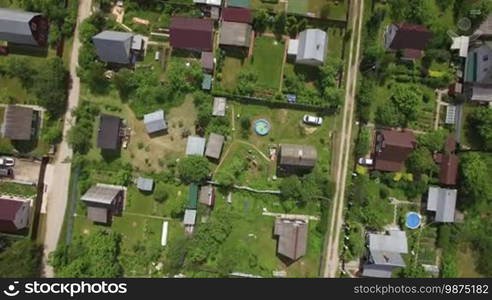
(262, 127)
(413, 220)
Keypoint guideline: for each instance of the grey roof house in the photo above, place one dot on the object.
(189, 217)
(108, 136)
(23, 27)
(155, 122)
(19, 123)
(293, 158)
(443, 202)
(385, 253)
(219, 107)
(292, 237)
(117, 47)
(207, 195)
(235, 34)
(214, 146)
(145, 184)
(310, 48)
(103, 201)
(195, 145)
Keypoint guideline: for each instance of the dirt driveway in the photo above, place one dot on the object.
(26, 170)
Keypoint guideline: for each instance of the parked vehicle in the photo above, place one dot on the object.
(6, 172)
(366, 161)
(312, 120)
(7, 162)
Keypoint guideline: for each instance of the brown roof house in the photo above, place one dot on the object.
(410, 39)
(192, 33)
(214, 147)
(292, 237)
(19, 123)
(235, 34)
(295, 158)
(103, 201)
(14, 213)
(108, 136)
(207, 195)
(207, 60)
(392, 148)
(236, 14)
(23, 27)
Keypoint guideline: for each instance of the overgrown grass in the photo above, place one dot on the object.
(267, 61)
(20, 190)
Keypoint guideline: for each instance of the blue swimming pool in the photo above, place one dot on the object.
(413, 220)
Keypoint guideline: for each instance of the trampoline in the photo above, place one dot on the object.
(413, 220)
(262, 127)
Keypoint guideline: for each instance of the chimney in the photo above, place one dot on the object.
(300, 154)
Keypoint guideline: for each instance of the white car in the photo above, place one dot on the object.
(312, 120)
(365, 161)
(7, 162)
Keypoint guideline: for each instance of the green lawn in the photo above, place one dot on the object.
(267, 61)
(297, 7)
(274, 5)
(253, 231)
(16, 189)
(329, 9)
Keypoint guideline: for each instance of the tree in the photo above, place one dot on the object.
(481, 122)
(407, 100)
(161, 194)
(51, 86)
(388, 115)
(420, 161)
(261, 20)
(125, 83)
(79, 137)
(22, 259)
(94, 76)
(94, 255)
(193, 168)
(280, 23)
(184, 77)
(291, 188)
(19, 67)
(247, 82)
(474, 181)
(176, 255)
(433, 141)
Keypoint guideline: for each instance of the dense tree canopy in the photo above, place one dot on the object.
(193, 168)
(481, 123)
(21, 259)
(475, 181)
(94, 255)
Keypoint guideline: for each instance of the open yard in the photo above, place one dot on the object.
(267, 61)
(253, 233)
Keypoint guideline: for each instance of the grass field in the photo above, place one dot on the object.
(16, 189)
(297, 6)
(254, 232)
(267, 61)
(329, 9)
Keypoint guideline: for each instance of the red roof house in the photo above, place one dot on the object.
(392, 148)
(238, 15)
(192, 33)
(411, 39)
(14, 214)
(448, 169)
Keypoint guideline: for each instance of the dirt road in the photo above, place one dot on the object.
(331, 255)
(57, 176)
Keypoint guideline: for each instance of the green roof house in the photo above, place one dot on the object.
(192, 197)
(239, 3)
